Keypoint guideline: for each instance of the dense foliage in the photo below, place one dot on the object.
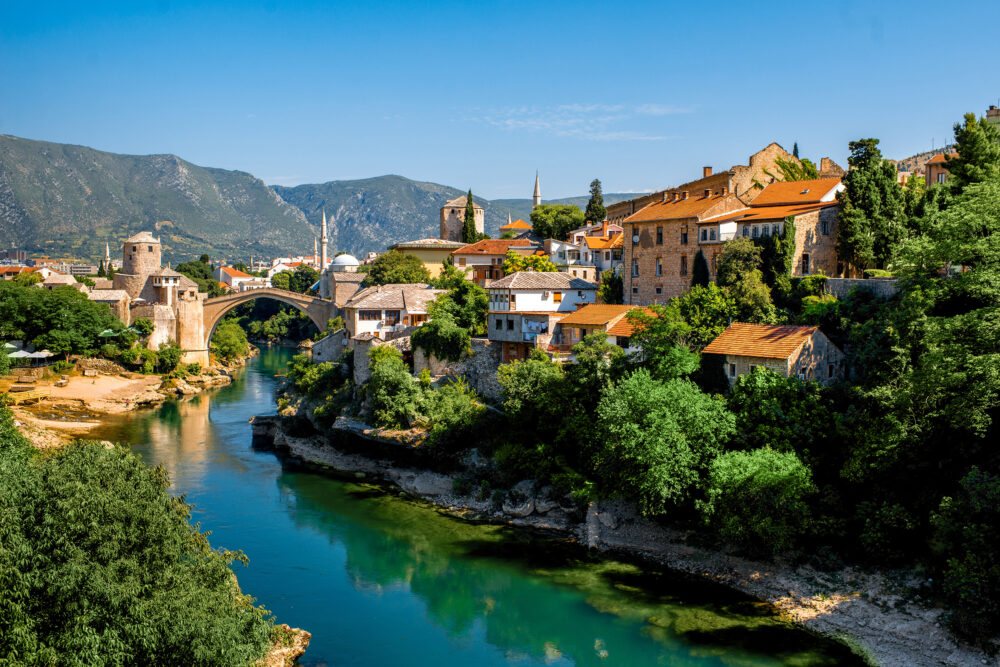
(556, 221)
(515, 261)
(611, 288)
(396, 267)
(100, 566)
(229, 340)
(595, 212)
(200, 271)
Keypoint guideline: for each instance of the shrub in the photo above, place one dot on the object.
(109, 351)
(756, 499)
(314, 380)
(4, 363)
(99, 565)
(452, 411)
(143, 325)
(393, 391)
(168, 357)
(194, 368)
(229, 340)
(442, 337)
(62, 366)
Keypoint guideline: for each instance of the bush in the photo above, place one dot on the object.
(442, 337)
(168, 357)
(144, 326)
(109, 351)
(452, 412)
(756, 499)
(194, 368)
(99, 565)
(393, 391)
(4, 363)
(229, 340)
(62, 367)
(314, 380)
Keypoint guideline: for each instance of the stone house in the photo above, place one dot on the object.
(431, 252)
(62, 280)
(592, 318)
(813, 206)
(116, 299)
(453, 218)
(387, 311)
(524, 308)
(483, 260)
(569, 257)
(935, 169)
(792, 351)
(662, 239)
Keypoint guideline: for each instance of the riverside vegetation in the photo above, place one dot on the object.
(894, 467)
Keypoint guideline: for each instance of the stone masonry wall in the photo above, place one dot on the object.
(810, 240)
(479, 369)
(881, 287)
(331, 347)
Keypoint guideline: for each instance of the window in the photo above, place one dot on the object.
(704, 235)
(499, 324)
(635, 290)
(369, 315)
(684, 236)
(557, 297)
(805, 265)
(607, 256)
(764, 232)
(659, 289)
(391, 317)
(659, 236)
(829, 370)
(940, 178)
(824, 227)
(732, 370)
(513, 301)
(755, 231)
(775, 230)
(659, 267)
(461, 261)
(635, 267)
(510, 325)
(150, 248)
(684, 265)
(711, 234)
(746, 231)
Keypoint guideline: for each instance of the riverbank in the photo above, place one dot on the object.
(879, 614)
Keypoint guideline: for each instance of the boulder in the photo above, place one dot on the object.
(519, 509)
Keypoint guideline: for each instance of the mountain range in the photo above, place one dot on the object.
(62, 200)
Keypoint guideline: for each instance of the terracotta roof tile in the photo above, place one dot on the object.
(694, 206)
(941, 158)
(492, 247)
(235, 273)
(603, 242)
(782, 212)
(760, 340)
(596, 314)
(517, 224)
(797, 192)
(624, 327)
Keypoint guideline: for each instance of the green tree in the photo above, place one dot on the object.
(757, 499)
(282, 280)
(469, 232)
(699, 272)
(100, 566)
(612, 288)
(739, 257)
(229, 340)
(101, 271)
(28, 279)
(515, 261)
(795, 150)
(661, 333)
(658, 439)
(62, 320)
(739, 271)
(443, 337)
(466, 302)
(777, 253)
(168, 357)
(394, 393)
(556, 221)
(595, 212)
(977, 142)
(706, 311)
(872, 217)
(532, 390)
(395, 267)
(201, 273)
(302, 279)
(4, 362)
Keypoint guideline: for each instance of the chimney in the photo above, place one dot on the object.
(684, 194)
(708, 193)
(706, 172)
(665, 195)
(724, 191)
(604, 227)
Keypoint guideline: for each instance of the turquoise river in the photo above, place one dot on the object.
(381, 580)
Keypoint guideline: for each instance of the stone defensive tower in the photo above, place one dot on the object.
(141, 254)
(453, 218)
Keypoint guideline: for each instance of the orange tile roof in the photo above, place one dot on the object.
(235, 273)
(624, 326)
(603, 242)
(491, 247)
(782, 212)
(517, 224)
(795, 192)
(692, 207)
(941, 158)
(760, 340)
(596, 314)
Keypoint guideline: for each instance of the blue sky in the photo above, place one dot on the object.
(640, 95)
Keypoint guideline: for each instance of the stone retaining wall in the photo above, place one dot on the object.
(479, 368)
(881, 287)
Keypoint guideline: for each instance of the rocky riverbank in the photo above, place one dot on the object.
(880, 614)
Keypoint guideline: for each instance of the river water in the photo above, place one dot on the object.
(381, 580)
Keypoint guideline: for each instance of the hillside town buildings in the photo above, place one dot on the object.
(483, 260)
(792, 351)
(453, 218)
(431, 252)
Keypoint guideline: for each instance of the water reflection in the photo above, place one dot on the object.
(380, 580)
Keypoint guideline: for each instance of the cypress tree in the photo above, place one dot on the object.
(469, 234)
(595, 212)
(795, 150)
(101, 273)
(699, 272)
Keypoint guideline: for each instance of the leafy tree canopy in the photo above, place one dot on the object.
(515, 261)
(556, 221)
(395, 267)
(977, 143)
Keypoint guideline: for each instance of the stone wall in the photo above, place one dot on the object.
(362, 371)
(191, 334)
(331, 347)
(810, 240)
(479, 368)
(881, 287)
(164, 323)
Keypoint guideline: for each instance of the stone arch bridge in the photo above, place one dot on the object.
(319, 310)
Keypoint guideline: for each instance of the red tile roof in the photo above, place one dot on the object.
(595, 314)
(781, 212)
(517, 224)
(760, 340)
(692, 207)
(235, 273)
(491, 247)
(603, 242)
(941, 158)
(624, 327)
(796, 192)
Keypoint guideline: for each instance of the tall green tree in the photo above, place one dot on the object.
(873, 215)
(101, 271)
(795, 150)
(515, 261)
(469, 232)
(739, 271)
(556, 221)
(699, 272)
(612, 288)
(595, 212)
(777, 252)
(977, 143)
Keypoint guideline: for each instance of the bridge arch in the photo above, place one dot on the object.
(319, 310)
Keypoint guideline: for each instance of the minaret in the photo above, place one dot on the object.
(508, 217)
(315, 248)
(107, 257)
(536, 199)
(322, 243)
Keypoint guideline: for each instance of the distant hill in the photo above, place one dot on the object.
(373, 213)
(916, 162)
(63, 200)
(60, 199)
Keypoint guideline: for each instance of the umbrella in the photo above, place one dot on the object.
(108, 333)
(44, 354)
(8, 346)
(20, 354)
